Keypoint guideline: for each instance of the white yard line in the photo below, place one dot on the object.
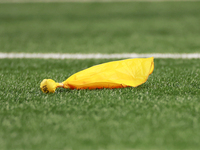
(56, 1)
(97, 56)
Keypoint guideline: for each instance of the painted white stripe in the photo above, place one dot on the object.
(96, 56)
(56, 1)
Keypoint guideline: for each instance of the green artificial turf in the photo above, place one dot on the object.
(140, 27)
(163, 113)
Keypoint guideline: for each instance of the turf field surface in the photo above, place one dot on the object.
(131, 27)
(163, 113)
(89, 1)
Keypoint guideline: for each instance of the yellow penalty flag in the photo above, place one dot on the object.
(115, 74)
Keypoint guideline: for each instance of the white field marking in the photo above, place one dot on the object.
(56, 1)
(97, 56)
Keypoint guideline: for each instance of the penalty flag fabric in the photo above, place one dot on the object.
(115, 74)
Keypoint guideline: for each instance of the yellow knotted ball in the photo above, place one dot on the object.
(48, 85)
